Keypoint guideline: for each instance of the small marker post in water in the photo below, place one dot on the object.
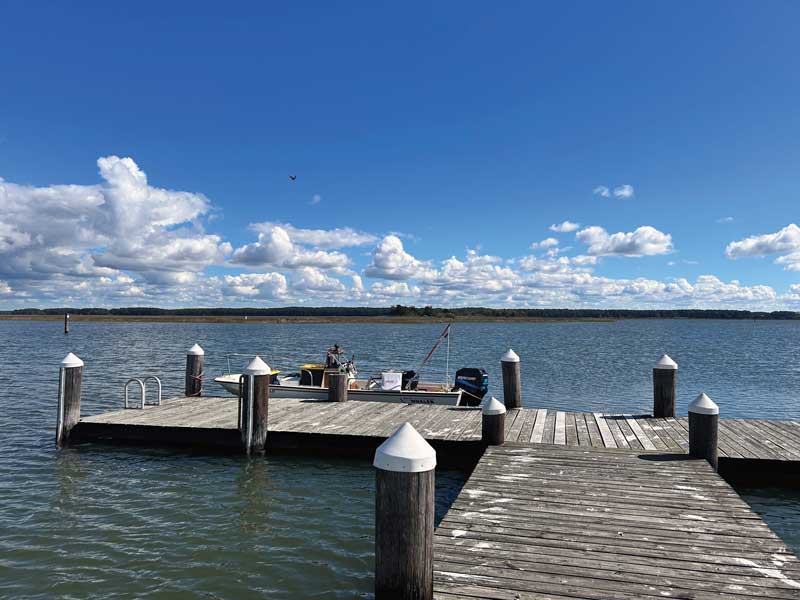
(69, 397)
(665, 379)
(66, 323)
(512, 392)
(255, 405)
(194, 371)
(493, 426)
(337, 387)
(404, 514)
(703, 429)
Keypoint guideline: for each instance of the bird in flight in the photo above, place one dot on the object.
(292, 177)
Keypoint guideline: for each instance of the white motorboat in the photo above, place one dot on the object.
(387, 388)
(311, 382)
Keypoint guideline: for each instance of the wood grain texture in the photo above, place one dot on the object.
(194, 373)
(738, 439)
(556, 522)
(512, 385)
(493, 429)
(71, 409)
(665, 382)
(404, 517)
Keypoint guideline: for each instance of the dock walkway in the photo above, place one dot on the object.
(212, 421)
(553, 522)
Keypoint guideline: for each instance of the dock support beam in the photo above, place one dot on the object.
(703, 429)
(512, 391)
(70, 376)
(194, 371)
(404, 515)
(665, 379)
(337, 387)
(254, 405)
(493, 425)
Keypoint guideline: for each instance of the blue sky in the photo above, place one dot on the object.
(145, 151)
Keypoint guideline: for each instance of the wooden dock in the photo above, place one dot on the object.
(212, 421)
(558, 522)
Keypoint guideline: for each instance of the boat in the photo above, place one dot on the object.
(310, 382)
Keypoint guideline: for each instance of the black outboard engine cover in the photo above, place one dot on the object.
(474, 383)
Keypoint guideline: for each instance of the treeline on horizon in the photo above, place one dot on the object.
(414, 311)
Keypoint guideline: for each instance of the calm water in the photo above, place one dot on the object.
(105, 523)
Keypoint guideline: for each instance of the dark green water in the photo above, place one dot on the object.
(98, 522)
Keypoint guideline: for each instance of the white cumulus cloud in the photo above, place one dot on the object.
(391, 261)
(565, 227)
(644, 241)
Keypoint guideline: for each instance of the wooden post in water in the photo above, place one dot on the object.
(337, 387)
(66, 323)
(194, 371)
(404, 514)
(665, 379)
(255, 405)
(703, 429)
(69, 397)
(512, 392)
(493, 427)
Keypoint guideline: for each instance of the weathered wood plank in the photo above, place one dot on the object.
(605, 432)
(560, 435)
(546, 521)
(537, 436)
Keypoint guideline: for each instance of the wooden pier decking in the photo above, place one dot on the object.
(557, 522)
(213, 420)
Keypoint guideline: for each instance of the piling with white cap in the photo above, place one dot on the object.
(404, 514)
(493, 426)
(703, 429)
(254, 405)
(194, 371)
(512, 389)
(665, 380)
(70, 376)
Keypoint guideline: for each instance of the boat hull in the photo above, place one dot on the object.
(303, 392)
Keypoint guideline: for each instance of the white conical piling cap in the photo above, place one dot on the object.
(71, 361)
(406, 451)
(257, 367)
(196, 350)
(703, 405)
(494, 407)
(666, 363)
(510, 356)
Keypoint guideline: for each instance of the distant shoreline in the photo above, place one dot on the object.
(294, 319)
(374, 314)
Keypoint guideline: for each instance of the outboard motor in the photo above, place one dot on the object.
(474, 384)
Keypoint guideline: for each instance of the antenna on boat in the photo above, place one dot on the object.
(447, 360)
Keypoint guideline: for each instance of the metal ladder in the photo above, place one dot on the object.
(143, 386)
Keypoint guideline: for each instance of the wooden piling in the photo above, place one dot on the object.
(194, 371)
(665, 379)
(255, 405)
(337, 387)
(404, 516)
(703, 429)
(69, 398)
(493, 423)
(66, 323)
(512, 391)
